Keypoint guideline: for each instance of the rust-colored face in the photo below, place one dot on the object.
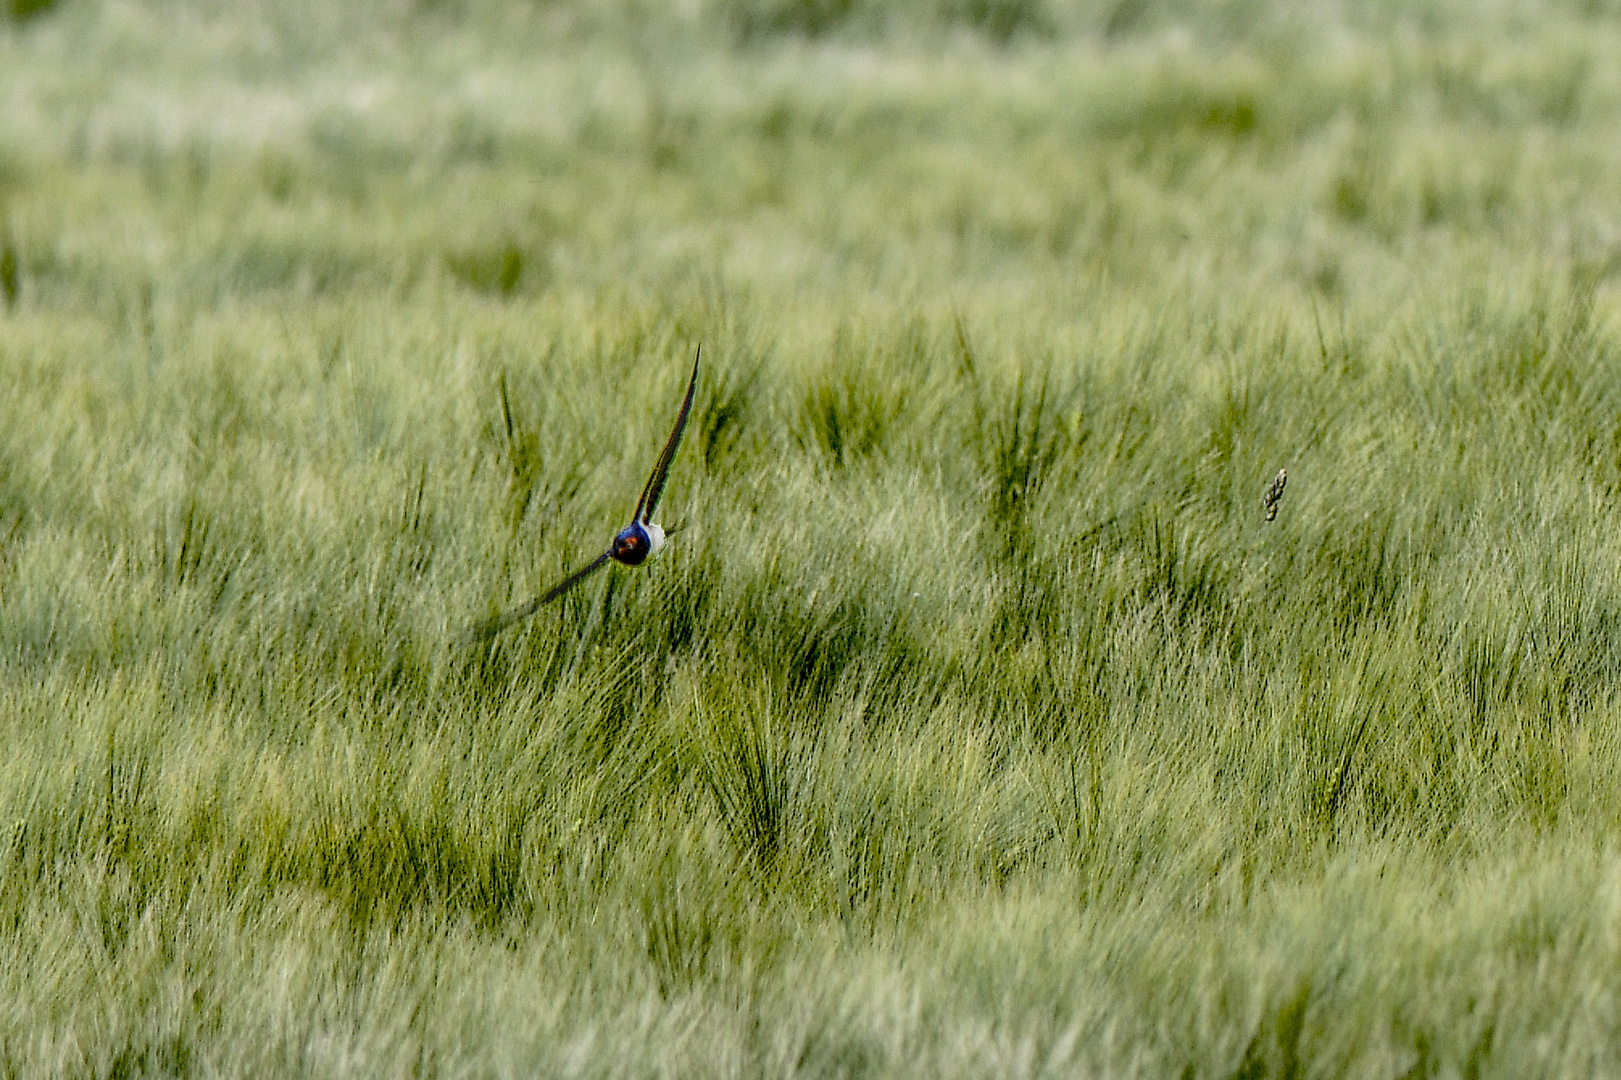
(632, 545)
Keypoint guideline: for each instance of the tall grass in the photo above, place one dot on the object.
(978, 721)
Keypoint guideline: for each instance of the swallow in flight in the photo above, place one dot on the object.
(633, 545)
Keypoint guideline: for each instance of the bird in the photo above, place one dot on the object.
(633, 545)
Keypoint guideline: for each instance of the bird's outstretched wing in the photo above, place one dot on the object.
(649, 501)
(491, 627)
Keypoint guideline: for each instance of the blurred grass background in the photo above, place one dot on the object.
(977, 723)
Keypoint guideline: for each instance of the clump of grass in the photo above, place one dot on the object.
(1020, 438)
(999, 21)
(24, 10)
(852, 403)
(8, 271)
(741, 763)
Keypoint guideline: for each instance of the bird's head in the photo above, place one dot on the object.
(636, 543)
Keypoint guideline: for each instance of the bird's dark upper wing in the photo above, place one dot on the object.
(489, 628)
(649, 501)
(572, 580)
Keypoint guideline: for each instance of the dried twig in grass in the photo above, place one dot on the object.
(1274, 494)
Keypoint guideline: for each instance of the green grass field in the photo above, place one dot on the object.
(977, 723)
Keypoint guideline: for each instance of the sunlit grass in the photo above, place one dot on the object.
(979, 721)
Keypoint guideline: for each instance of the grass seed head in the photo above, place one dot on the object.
(1274, 494)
